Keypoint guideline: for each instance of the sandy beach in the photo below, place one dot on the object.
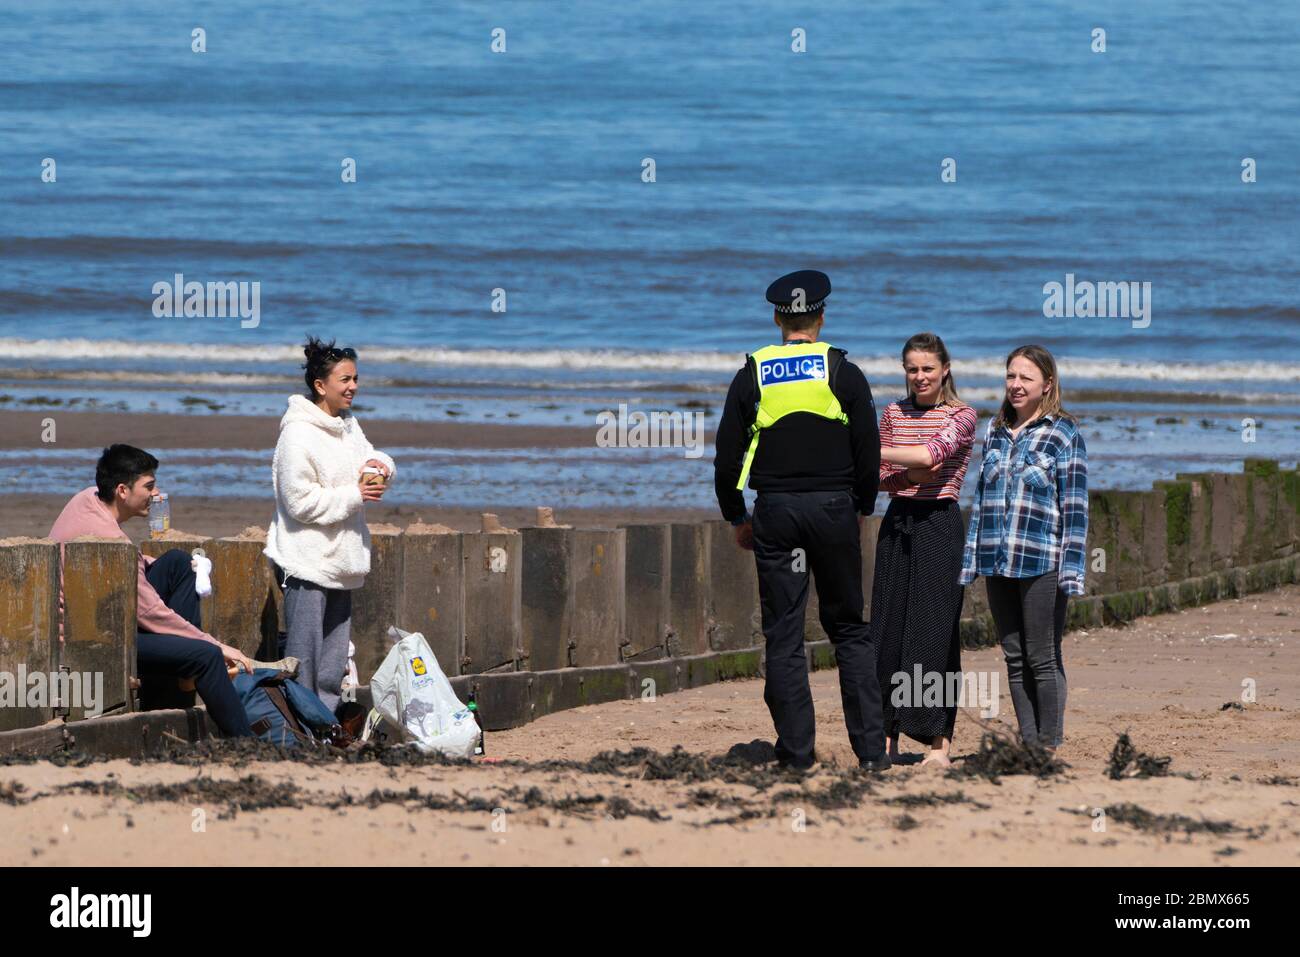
(1173, 683)
(555, 262)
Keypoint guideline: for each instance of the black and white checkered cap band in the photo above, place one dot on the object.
(810, 307)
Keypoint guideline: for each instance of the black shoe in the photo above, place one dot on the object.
(793, 766)
(881, 763)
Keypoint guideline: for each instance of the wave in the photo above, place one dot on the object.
(1264, 311)
(692, 360)
(179, 248)
(106, 247)
(527, 388)
(142, 377)
(247, 380)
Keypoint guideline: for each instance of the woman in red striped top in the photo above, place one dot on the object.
(916, 598)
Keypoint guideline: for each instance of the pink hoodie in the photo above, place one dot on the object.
(87, 514)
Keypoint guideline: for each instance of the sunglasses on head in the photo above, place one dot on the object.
(341, 354)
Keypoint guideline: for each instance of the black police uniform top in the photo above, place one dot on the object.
(802, 451)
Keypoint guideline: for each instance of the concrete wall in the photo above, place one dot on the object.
(561, 616)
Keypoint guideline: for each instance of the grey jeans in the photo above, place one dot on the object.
(319, 624)
(1029, 614)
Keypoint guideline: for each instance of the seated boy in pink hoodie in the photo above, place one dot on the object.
(169, 642)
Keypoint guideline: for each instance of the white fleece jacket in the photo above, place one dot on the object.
(319, 533)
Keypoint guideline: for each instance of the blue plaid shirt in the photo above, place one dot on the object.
(1030, 514)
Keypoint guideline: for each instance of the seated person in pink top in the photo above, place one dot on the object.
(169, 643)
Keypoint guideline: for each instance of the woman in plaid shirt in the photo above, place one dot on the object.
(1027, 533)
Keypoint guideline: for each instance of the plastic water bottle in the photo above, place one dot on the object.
(160, 515)
(472, 705)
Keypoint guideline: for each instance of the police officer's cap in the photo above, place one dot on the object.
(783, 293)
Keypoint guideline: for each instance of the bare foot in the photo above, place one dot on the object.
(937, 758)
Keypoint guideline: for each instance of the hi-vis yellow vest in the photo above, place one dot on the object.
(791, 378)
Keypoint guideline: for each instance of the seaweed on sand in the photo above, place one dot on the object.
(1126, 761)
(1001, 754)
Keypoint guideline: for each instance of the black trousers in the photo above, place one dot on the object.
(795, 534)
(164, 658)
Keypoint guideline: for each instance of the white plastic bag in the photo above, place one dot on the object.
(350, 679)
(412, 693)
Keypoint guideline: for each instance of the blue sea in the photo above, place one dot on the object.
(519, 177)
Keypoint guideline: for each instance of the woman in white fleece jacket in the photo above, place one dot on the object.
(319, 537)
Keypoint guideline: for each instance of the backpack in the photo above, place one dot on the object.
(282, 711)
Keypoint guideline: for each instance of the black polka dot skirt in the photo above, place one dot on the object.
(915, 614)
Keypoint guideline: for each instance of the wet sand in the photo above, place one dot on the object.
(1164, 680)
(32, 510)
(154, 431)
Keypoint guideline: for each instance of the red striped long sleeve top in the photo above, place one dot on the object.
(949, 433)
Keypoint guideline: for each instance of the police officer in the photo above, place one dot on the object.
(800, 425)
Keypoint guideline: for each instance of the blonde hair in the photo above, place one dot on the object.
(930, 343)
(1051, 403)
